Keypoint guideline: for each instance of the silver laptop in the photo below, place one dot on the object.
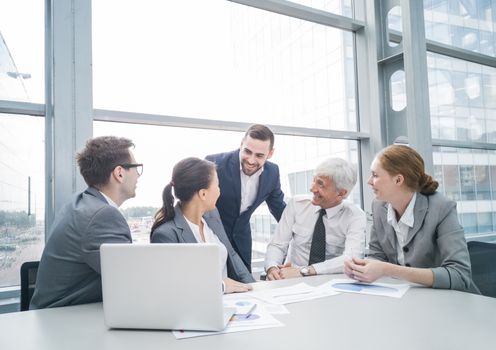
(163, 286)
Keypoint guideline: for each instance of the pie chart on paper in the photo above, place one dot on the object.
(359, 287)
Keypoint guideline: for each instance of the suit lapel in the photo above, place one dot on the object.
(234, 166)
(181, 224)
(388, 229)
(261, 182)
(419, 212)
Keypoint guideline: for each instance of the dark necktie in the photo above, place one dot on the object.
(318, 248)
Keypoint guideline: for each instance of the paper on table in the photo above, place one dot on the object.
(259, 319)
(292, 294)
(243, 303)
(384, 289)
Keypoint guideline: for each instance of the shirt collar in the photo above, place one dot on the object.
(109, 201)
(407, 218)
(330, 212)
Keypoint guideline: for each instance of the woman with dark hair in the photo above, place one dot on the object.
(194, 219)
(415, 235)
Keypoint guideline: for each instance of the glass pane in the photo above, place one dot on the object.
(221, 60)
(22, 194)
(397, 86)
(160, 147)
(22, 45)
(468, 176)
(395, 26)
(338, 7)
(469, 25)
(462, 99)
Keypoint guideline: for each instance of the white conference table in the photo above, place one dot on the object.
(423, 319)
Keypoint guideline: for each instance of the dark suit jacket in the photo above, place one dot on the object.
(435, 241)
(237, 225)
(177, 230)
(69, 270)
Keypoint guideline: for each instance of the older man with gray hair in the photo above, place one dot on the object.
(317, 233)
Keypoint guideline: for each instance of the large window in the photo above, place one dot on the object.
(225, 62)
(22, 175)
(463, 109)
(22, 197)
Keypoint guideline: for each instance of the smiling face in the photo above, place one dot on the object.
(325, 194)
(384, 185)
(253, 154)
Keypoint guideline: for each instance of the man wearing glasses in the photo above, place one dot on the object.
(69, 270)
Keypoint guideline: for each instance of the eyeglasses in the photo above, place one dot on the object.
(139, 167)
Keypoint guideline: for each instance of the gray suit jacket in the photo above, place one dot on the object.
(69, 270)
(177, 230)
(435, 241)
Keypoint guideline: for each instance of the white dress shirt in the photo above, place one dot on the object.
(112, 203)
(345, 235)
(109, 200)
(210, 237)
(402, 227)
(249, 187)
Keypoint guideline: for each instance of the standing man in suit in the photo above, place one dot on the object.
(247, 179)
(69, 270)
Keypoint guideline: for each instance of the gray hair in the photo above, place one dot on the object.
(340, 171)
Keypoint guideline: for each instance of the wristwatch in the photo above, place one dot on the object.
(305, 271)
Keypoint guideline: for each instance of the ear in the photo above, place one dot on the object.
(271, 152)
(117, 174)
(202, 194)
(343, 193)
(399, 179)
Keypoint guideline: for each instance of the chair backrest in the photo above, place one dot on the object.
(29, 270)
(483, 260)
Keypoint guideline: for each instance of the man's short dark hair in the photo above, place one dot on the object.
(260, 132)
(100, 157)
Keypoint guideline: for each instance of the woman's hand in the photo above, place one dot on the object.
(232, 286)
(365, 270)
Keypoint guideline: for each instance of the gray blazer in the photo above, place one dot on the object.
(435, 241)
(69, 270)
(177, 230)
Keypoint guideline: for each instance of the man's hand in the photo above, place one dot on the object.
(273, 273)
(290, 272)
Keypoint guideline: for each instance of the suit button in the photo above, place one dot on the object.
(405, 249)
(407, 265)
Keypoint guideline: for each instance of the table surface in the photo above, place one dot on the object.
(423, 318)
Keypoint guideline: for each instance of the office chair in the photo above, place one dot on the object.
(29, 270)
(483, 260)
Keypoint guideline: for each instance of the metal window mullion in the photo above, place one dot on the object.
(464, 144)
(212, 124)
(371, 117)
(305, 13)
(69, 99)
(22, 108)
(417, 88)
(450, 51)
